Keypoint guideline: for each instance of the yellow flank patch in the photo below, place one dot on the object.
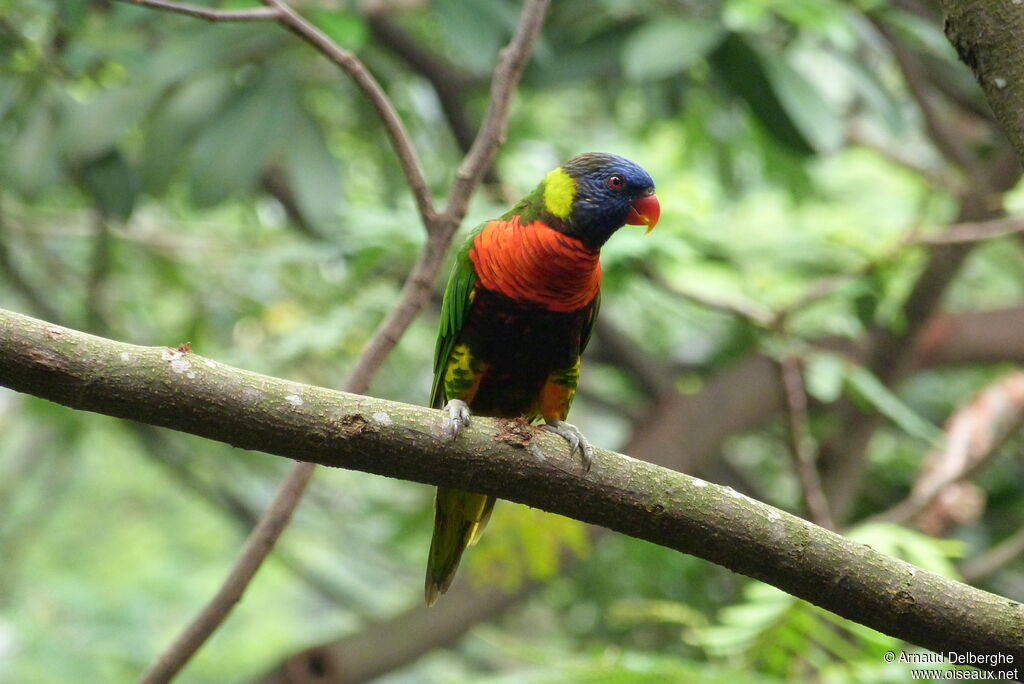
(559, 191)
(463, 374)
(558, 392)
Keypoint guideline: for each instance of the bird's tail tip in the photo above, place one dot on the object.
(431, 593)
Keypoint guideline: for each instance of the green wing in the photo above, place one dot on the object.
(588, 327)
(454, 310)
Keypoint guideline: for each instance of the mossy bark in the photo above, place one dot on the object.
(987, 35)
(187, 392)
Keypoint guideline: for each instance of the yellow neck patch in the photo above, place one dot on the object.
(559, 191)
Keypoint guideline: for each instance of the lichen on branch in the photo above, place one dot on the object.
(187, 392)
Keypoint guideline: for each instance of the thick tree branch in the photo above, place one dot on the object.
(187, 392)
(986, 35)
(415, 291)
(680, 432)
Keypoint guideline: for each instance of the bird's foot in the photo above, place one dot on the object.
(577, 441)
(458, 417)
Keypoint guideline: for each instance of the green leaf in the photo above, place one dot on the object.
(817, 122)
(113, 185)
(912, 546)
(90, 129)
(925, 35)
(865, 306)
(475, 29)
(667, 45)
(742, 69)
(175, 124)
(823, 376)
(204, 47)
(230, 154)
(344, 28)
(877, 97)
(868, 389)
(313, 172)
(32, 164)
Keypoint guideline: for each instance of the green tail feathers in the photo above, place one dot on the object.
(459, 518)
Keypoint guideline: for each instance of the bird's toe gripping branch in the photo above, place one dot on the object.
(577, 441)
(458, 417)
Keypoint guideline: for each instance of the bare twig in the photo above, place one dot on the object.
(257, 546)
(279, 11)
(947, 139)
(972, 231)
(449, 81)
(414, 293)
(161, 449)
(511, 62)
(805, 450)
(420, 282)
(373, 92)
(992, 561)
(973, 434)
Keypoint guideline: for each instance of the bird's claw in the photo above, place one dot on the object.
(577, 442)
(458, 417)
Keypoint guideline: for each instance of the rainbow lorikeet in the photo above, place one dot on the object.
(518, 310)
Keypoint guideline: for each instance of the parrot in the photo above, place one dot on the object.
(517, 312)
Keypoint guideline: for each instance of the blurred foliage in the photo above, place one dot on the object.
(165, 180)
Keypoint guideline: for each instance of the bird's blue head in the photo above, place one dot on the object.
(595, 194)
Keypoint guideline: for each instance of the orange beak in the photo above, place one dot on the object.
(645, 212)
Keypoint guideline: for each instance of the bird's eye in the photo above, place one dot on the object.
(616, 182)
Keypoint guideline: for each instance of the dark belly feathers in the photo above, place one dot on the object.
(521, 344)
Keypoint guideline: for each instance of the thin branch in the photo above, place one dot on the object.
(972, 231)
(449, 81)
(946, 138)
(257, 546)
(511, 62)
(420, 282)
(159, 448)
(802, 444)
(973, 435)
(282, 13)
(980, 568)
(208, 13)
(415, 291)
(373, 92)
(189, 393)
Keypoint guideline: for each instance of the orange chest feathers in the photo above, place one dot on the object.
(534, 263)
